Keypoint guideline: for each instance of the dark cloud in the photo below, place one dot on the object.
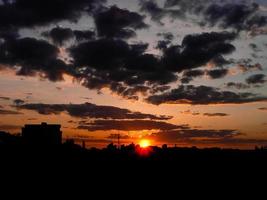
(33, 56)
(89, 110)
(216, 114)
(188, 134)
(126, 69)
(159, 89)
(163, 44)
(166, 36)
(18, 102)
(220, 61)
(31, 13)
(256, 79)
(263, 109)
(246, 65)
(238, 15)
(118, 23)
(9, 33)
(236, 141)
(239, 86)
(119, 66)
(189, 75)
(194, 73)
(254, 47)
(197, 50)
(84, 35)
(59, 35)
(5, 98)
(128, 125)
(217, 73)
(189, 112)
(9, 112)
(104, 53)
(157, 13)
(203, 95)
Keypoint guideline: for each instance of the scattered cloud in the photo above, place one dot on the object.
(5, 98)
(114, 22)
(8, 127)
(203, 95)
(192, 134)
(256, 79)
(88, 110)
(9, 112)
(263, 109)
(216, 114)
(238, 86)
(128, 125)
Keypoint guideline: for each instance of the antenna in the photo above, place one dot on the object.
(118, 140)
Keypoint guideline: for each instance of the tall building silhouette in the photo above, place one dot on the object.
(42, 134)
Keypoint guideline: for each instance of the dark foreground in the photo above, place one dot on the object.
(69, 154)
(131, 169)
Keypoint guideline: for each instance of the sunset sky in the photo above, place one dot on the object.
(184, 72)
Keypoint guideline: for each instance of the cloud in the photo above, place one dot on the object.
(32, 119)
(256, 79)
(18, 102)
(126, 69)
(118, 23)
(88, 110)
(254, 47)
(115, 136)
(59, 35)
(157, 13)
(114, 64)
(128, 125)
(245, 65)
(166, 36)
(203, 95)
(197, 50)
(9, 112)
(189, 112)
(238, 15)
(5, 98)
(8, 127)
(30, 13)
(84, 35)
(216, 114)
(239, 86)
(255, 31)
(234, 142)
(23, 54)
(192, 134)
(189, 75)
(217, 73)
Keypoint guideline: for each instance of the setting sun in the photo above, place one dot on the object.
(144, 143)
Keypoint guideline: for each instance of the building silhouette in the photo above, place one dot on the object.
(42, 134)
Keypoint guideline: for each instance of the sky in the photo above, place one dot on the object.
(176, 72)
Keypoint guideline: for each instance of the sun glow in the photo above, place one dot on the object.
(144, 143)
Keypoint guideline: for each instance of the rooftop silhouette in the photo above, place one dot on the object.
(42, 134)
(44, 142)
